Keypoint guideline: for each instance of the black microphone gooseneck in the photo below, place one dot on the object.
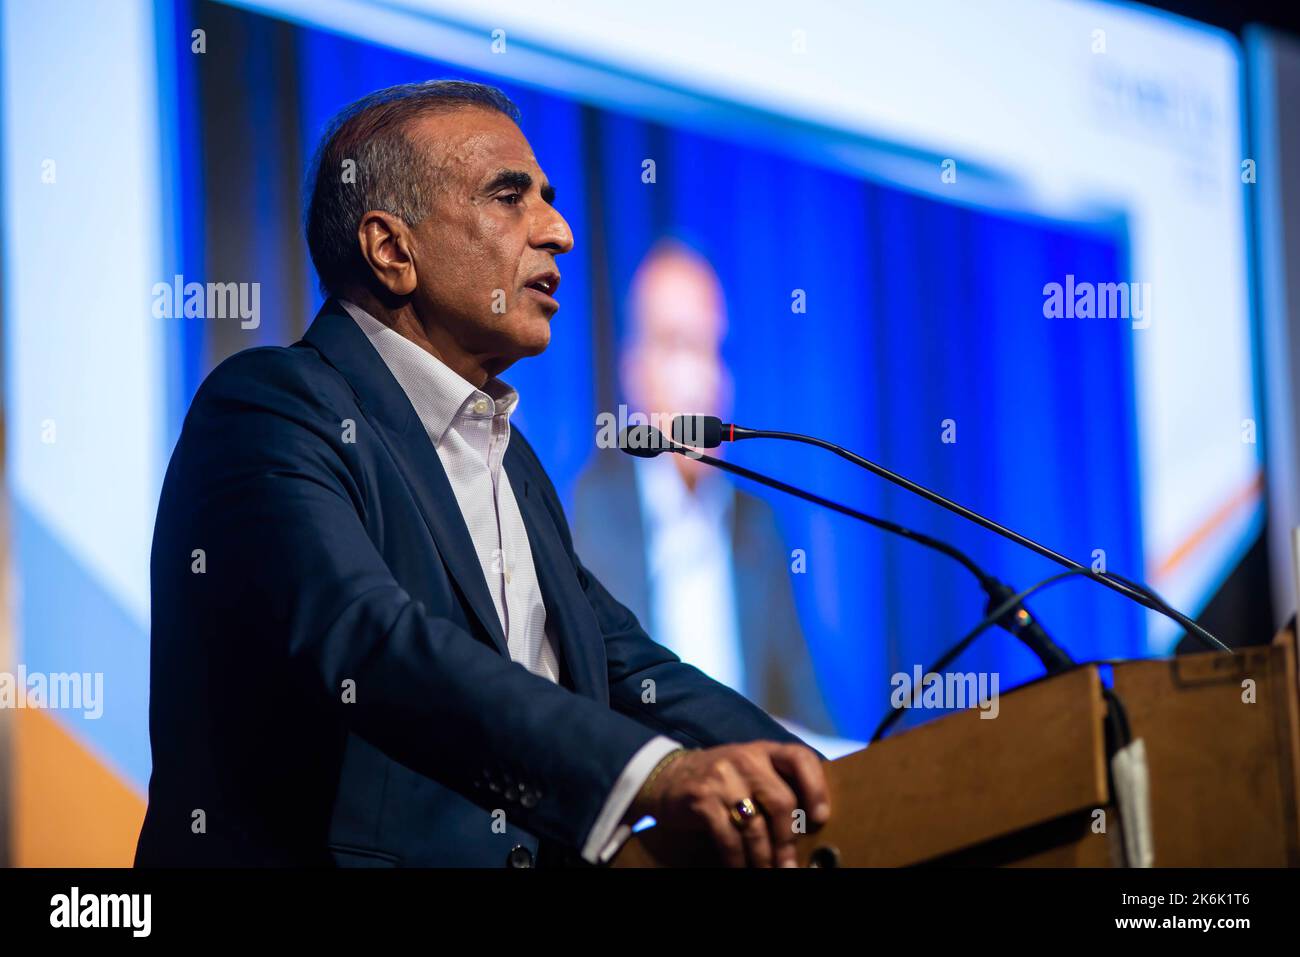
(706, 431)
(646, 442)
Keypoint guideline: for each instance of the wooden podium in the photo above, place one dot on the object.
(1221, 735)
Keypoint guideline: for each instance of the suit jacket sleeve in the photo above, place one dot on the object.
(261, 481)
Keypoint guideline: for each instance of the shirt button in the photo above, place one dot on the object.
(480, 406)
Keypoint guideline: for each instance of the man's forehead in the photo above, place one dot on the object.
(475, 144)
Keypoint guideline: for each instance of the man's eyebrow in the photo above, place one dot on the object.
(518, 179)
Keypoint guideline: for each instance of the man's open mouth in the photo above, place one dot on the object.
(545, 283)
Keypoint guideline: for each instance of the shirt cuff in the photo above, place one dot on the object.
(609, 832)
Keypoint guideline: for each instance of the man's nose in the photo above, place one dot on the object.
(552, 231)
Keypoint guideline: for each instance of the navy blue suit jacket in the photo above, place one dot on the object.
(329, 679)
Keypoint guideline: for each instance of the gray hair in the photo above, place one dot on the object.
(388, 170)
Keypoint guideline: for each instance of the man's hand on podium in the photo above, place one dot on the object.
(747, 797)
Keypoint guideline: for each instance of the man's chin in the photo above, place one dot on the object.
(533, 340)
(520, 339)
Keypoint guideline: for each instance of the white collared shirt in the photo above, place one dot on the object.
(470, 429)
(688, 558)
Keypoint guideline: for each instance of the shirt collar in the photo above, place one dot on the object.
(439, 395)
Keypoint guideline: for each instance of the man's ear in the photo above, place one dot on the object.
(385, 243)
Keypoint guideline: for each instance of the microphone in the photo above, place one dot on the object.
(707, 431)
(645, 441)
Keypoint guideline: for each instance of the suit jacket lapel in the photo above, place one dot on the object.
(567, 610)
(338, 338)
(752, 606)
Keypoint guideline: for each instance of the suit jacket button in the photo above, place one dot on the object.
(519, 856)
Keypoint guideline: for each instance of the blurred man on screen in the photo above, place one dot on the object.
(701, 562)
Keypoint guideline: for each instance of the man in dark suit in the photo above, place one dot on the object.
(702, 563)
(373, 643)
